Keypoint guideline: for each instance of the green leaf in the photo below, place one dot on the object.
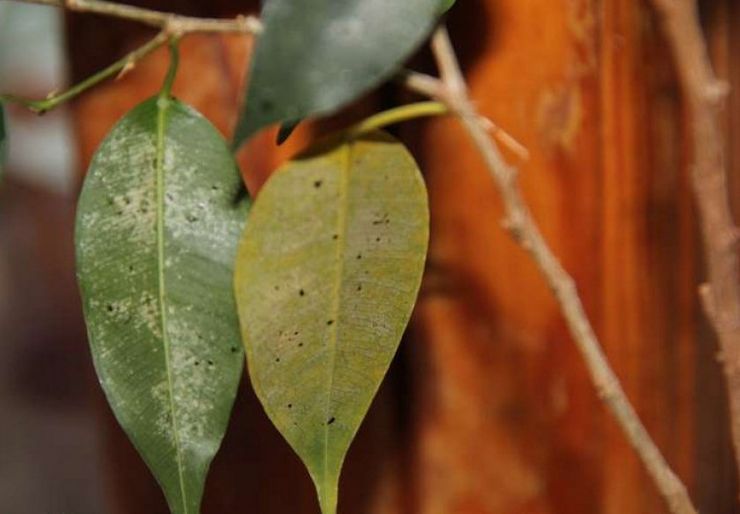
(327, 274)
(447, 5)
(158, 223)
(314, 57)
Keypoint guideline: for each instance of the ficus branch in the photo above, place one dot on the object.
(452, 91)
(170, 25)
(703, 96)
(122, 65)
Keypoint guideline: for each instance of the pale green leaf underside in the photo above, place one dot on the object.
(157, 225)
(314, 57)
(327, 274)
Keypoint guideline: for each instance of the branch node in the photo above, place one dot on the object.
(128, 67)
(716, 91)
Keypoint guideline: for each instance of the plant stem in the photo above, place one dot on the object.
(396, 115)
(452, 90)
(169, 79)
(703, 96)
(172, 23)
(122, 65)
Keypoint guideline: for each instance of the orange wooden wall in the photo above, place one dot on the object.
(488, 408)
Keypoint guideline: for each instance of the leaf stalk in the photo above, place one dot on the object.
(396, 115)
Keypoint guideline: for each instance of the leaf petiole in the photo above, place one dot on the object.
(396, 115)
(169, 79)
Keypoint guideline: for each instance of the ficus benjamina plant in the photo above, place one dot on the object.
(183, 274)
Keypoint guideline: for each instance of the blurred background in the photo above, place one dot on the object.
(487, 408)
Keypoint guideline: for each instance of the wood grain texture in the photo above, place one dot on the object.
(488, 408)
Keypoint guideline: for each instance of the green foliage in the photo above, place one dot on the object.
(158, 223)
(447, 5)
(326, 277)
(314, 57)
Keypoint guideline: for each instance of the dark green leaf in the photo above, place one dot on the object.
(157, 226)
(314, 57)
(447, 5)
(326, 277)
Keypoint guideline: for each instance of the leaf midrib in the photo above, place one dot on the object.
(163, 104)
(345, 162)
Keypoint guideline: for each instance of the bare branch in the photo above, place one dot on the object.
(522, 227)
(173, 23)
(703, 94)
(170, 25)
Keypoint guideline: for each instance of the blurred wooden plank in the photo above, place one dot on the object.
(489, 409)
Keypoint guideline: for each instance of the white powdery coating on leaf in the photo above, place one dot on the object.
(193, 211)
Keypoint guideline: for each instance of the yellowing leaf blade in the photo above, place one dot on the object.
(326, 278)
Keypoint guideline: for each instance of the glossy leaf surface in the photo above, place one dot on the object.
(326, 278)
(158, 222)
(314, 57)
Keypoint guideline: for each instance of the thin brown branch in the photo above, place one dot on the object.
(520, 223)
(703, 96)
(171, 26)
(173, 23)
